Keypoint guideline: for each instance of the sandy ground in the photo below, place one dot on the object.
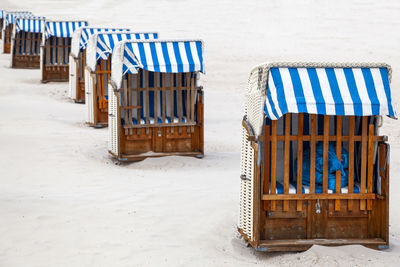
(64, 202)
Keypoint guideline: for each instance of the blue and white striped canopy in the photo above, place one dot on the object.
(34, 24)
(2, 13)
(62, 28)
(81, 37)
(87, 32)
(10, 17)
(361, 91)
(168, 56)
(103, 44)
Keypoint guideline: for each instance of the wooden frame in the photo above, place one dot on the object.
(1, 28)
(296, 221)
(7, 39)
(178, 97)
(26, 50)
(80, 64)
(100, 79)
(55, 59)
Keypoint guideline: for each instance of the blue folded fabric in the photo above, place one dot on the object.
(333, 165)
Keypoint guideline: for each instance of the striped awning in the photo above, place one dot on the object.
(62, 28)
(34, 24)
(169, 56)
(10, 17)
(336, 89)
(102, 44)
(81, 37)
(2, 13)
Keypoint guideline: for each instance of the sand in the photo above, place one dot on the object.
(65, 202)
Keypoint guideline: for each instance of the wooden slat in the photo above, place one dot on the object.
(319, 138)
(363, 159)
(179, 92)
(312, 152)
(323, 242)
(155, 97)
(300, 158)
(128, 100)
(28, 43)
(193, 96)
(47, 47)
(266, 162)
(351, 160)
(273, 161)
(339, 156)
(188, 103)
(172, 90)
(325, 155)
(370, 173)
(286, 197)
(286, 160)
(146, 87)
(138, 102)
(164, 109)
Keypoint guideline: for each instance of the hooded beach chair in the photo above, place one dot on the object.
(314, 169)
(2, 15)
(98, 71)
(77, 60)
(155, 105)
(56, 48)
(8, 24)
(26, 40)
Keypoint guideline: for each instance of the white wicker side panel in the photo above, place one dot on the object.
(72, 77)
(246, 186)
(89, 97)
(112, 121)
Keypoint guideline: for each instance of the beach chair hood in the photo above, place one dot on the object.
(9, 17)
(32, 24)
(63, 29)
(101, 45)
(318, 88)
(81, 36)
(167, 56)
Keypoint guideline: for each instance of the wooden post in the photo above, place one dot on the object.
(339, 156)
(273, 161)
(179, 92)
(364, 139)
(300, 158)
(155, 97)
(266, 162)
(164, 92)
(146, 87)
(370, 173)
(138, 92)
(325, 155)
(351, 160)
(286, 160)
(312, 152)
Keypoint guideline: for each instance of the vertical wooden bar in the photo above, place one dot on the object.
(138, 91)
(312, 152)
(193, 95)
(164, 109)
(273, 161)
(370, 163)
(364, 139)
(179, 92)
(155, 97)
(351, 160)
(286, 159)
(128, 99)
(300, 123)
(266, 162)
(54, 51)
(188, 104)
(339, 156)
(325, 155)
(146, 73)
(172, 97)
